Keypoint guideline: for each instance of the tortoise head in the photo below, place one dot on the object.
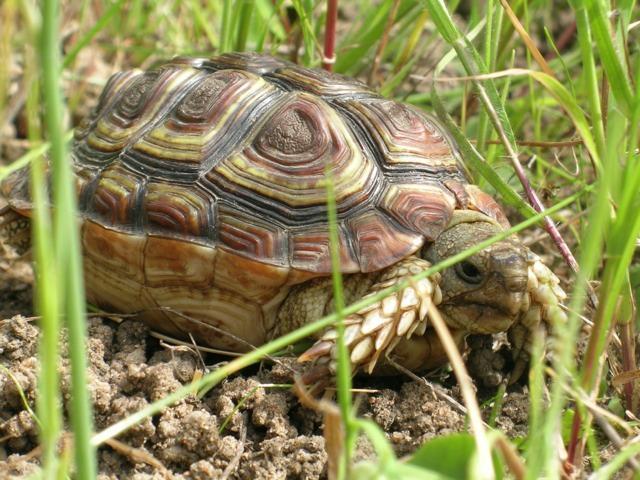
(485, 292)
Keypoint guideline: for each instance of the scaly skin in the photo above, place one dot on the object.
(504, 287)
(15, 233)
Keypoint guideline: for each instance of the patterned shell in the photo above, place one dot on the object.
(232, 153)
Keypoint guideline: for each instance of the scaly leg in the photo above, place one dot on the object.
(542, 310)
(375, 330)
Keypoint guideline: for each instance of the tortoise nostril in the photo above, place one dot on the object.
(468, 272)
(511, 268)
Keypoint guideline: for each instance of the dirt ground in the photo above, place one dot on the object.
(244, 428)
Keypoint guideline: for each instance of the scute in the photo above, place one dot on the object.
(176, 210)
(424, 208)
(107, 98)
(407, 139)
(174, 262)
(16, 189)
(293, 133)
(114, 200)
(140, 103)
(483, 202)
(108, 250)
(136, 96)
(248, 61)
(381, 242)
(198, 103)
(310, 250)
(250, 236)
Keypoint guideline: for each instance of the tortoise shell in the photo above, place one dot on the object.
(202, 188)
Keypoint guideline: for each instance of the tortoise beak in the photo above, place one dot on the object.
(510, 268)
(507, 280)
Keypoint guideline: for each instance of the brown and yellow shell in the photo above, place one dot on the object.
(210, 175)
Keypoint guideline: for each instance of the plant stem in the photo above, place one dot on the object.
(329, 57)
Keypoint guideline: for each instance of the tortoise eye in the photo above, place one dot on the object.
(469, 273)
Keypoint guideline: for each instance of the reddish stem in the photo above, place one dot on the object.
(550, 227)
(573, 445)
(329, 56)
(565, 38)
(629, 362)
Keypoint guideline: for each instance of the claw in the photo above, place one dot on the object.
(424, 309)
(317, 350)
(518, 369)
(437, 295)
(421, 327)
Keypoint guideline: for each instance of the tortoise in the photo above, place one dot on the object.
(202, 196)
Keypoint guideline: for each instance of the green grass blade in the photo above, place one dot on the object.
(304, 9)
(477, 163)
(226, 27)
(28, 157)
(495, 15)
(67, 244)
(200, 19)
(344, 363)
(617, 462)
(362, 40)
(609, 56)
(49, 402)
(569, 104)
(268, 20)
(565, 335)
(590, 75)
(244, 23)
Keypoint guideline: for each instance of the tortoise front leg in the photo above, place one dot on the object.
(542, 309)
(377, 329)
